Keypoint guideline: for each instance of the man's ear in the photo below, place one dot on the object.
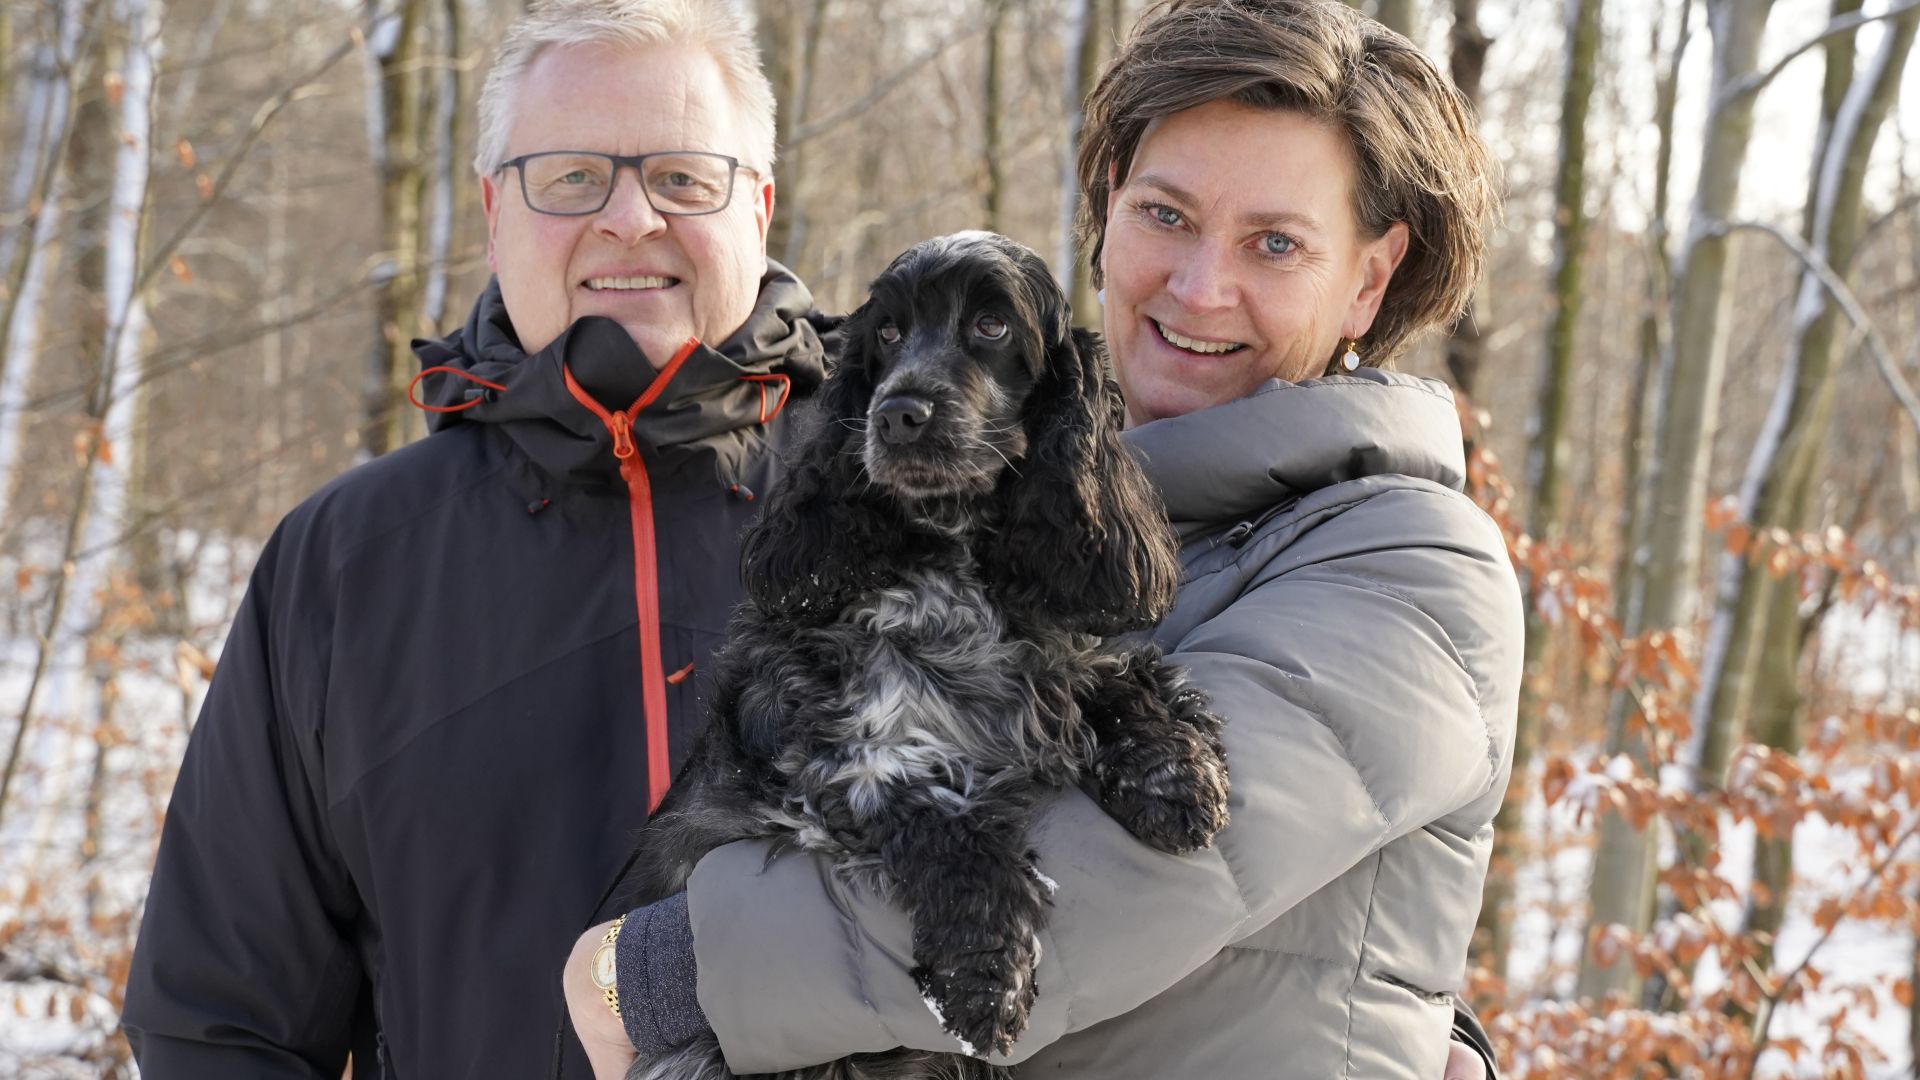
(763, 210)
(490, 202)
(1378, 260)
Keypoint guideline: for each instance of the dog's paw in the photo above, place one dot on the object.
(982, 999)
(1168, 788)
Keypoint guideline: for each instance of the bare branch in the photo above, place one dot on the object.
(261, 118)
(882, 88)
(1757, 81)
(1817, 266)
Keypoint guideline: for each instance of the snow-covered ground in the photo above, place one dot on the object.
(46, 879)
(66, 911)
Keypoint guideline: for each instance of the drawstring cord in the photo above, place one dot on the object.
(786, 390)
(463, 406)
(766, 413)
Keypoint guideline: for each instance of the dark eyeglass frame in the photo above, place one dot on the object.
(621, 161)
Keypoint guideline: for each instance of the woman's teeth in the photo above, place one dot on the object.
(1191, 345)
(629, 282)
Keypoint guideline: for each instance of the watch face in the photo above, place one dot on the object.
(603, 967)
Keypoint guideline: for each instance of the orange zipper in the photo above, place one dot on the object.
(646, 569)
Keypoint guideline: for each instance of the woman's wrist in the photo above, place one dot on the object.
(660, 1006)
(598, 1028)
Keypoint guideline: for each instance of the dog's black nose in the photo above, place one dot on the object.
(903, 418)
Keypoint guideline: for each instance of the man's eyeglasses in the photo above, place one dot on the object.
(574, 183)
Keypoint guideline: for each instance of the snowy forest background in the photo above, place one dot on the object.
(1687, 386)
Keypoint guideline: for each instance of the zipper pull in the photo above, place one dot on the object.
(622, 427)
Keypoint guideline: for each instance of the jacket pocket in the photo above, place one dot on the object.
(1439, 998)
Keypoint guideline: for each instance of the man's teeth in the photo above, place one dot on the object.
(1191, 345)
(629, 282)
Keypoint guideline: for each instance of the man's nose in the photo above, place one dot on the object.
(1204, 281)
(628, 215)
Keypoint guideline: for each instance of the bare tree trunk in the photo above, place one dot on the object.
(28, 266)
(1077, 38)
(1100, 25)
(446, 110)
(1741, 605)
(99, 508)
(798, 219)
(1547, 457)
(6, 54)
(1402, 16)
(995, 155)
(394, 129)
(1090, 41)
(1468, 45)
(775, 31)
(1767, 650)
(1623, 879)
(1659, 294)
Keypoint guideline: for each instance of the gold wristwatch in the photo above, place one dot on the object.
(603, 966)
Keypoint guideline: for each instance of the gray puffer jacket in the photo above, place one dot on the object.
(1357, 621)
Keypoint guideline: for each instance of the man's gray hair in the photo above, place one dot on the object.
(715, 26)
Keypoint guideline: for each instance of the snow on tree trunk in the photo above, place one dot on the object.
(98, 517)
(1622, 887)
(26, 266)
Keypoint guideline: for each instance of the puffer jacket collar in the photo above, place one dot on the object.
(715, 393)
(1309, 435)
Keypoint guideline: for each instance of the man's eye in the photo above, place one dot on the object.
(1277, 244)
(991, 327)
(889, 333)
(681, 180)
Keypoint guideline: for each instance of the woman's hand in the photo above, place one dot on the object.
(1463, 1063)
(600, 1031)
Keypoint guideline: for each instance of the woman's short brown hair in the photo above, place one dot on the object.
(1417, 157)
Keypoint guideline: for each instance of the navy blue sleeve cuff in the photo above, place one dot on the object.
(655, 969)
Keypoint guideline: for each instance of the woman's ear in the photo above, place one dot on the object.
(1084, 541)
(1379, 258)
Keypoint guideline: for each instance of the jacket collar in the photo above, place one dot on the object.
(1238, 459)
(716, 397)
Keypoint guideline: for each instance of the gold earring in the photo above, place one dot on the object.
(1351, 361)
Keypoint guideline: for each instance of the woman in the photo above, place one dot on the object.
(1280, 195)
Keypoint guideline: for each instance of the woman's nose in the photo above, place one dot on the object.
(1203, 281)
(628, 215)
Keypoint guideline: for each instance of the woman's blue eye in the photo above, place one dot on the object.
(1277, 244)
(1165, 215)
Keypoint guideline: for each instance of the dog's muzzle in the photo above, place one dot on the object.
(903, 418)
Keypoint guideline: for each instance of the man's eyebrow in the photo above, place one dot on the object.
(1268, 220)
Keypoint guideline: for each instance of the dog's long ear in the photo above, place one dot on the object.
(1084, 540)
(815, 541)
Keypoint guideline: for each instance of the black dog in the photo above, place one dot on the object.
(921, 662)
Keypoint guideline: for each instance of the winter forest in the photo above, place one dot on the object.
(1688, 390)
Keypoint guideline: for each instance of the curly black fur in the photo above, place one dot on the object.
(920, 662)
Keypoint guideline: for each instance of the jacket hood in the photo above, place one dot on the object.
(1287, 439)
(717, 394)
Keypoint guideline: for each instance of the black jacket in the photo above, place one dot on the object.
(421, 761)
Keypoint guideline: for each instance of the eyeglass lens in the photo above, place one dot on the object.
(578, 183)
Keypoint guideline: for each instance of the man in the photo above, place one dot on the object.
(455, 682)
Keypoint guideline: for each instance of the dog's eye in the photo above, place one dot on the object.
(991, 327)
(889, 333)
